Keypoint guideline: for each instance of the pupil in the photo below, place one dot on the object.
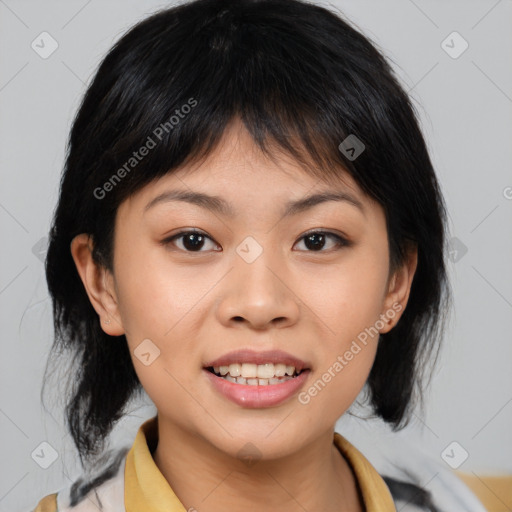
(189, 243)
(310, 241)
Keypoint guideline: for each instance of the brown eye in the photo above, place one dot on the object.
(317, 240)
(191, 241)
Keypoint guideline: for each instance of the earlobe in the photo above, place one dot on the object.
(399, 290)
(97, 281)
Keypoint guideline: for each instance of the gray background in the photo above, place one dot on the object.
(465, 104)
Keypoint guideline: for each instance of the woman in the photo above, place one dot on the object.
(250, 230)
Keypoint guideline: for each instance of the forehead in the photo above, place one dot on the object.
(237, 169)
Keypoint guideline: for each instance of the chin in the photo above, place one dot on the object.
(250, 442)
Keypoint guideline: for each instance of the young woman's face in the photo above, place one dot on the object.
(251, 279)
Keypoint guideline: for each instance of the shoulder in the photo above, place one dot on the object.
(47, 504)
(414, 479)
(101, 491)
(410, 497)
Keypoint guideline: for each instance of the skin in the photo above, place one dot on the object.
(196, 306)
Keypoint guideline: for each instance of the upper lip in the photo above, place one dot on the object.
(251, 356)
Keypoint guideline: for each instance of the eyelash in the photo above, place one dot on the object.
(341, 241)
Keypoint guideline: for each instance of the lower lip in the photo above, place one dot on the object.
(257, 396)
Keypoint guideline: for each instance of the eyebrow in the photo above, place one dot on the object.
(219, 205)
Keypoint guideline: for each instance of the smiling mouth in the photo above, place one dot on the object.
(256, 375)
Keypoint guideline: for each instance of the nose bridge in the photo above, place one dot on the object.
(256, 290)
(257, 266)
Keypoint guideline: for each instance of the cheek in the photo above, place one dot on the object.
(162, 303)
(337, 384)
(343, 370)
(158, 309)
(348, 297)
(348, 301)
(154, 296)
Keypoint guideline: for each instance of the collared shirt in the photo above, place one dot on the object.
(139, 485)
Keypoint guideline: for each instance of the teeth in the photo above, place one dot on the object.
(279, 370)
(249, 370)
(256, 374)
(235, 370)
(255, 371)
(256, 381)
(265, 371)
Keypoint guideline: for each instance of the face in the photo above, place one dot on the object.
(312, 283)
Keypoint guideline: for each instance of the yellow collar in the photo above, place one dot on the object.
(375, 492)
(147, 489)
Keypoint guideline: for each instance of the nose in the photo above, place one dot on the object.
(259, 294)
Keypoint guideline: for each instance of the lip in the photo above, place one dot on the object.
(257, 396)
(253, 357)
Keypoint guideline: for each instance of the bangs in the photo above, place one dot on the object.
(168, 101)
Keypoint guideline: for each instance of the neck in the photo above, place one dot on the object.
(316, 478)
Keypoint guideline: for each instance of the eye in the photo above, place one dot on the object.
(315, 241)
(191, 241)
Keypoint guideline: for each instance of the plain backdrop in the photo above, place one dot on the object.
(464, 99)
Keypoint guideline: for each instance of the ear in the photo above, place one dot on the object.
(99, 285)
(399, 288)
